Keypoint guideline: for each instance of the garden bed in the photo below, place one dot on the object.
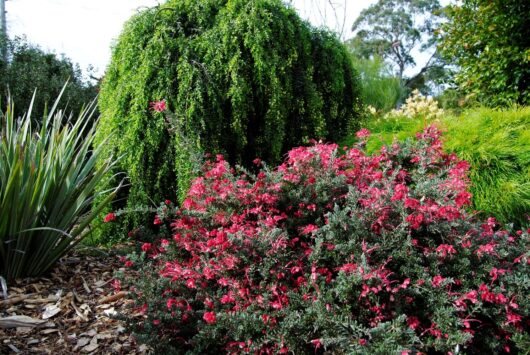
(69, 311)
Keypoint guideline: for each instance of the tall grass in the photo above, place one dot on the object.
(47, 182)
(496, 144)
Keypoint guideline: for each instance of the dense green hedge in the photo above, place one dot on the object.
(244, 78)
(497, 145)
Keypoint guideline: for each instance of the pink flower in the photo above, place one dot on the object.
(109, 217)
(444, 249)
(413, 322)
(513, 318)
(400, 191)
(437, 280)
(412, 203)
(146, 247)
(157, 221)
(463, 198)
(209, 317)
(310, 228)
(363, 133)
(316, 343)
(158, 106)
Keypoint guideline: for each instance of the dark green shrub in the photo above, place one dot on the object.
(244, 78)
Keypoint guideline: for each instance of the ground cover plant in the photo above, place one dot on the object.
(496, 143)
(343, 253)
(47, 186)
(244, 78)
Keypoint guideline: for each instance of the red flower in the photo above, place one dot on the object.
(158, 106)
(209, 317)
(109, 217)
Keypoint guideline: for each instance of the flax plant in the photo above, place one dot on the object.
(47, 181)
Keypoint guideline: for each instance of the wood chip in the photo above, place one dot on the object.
(113, 298)
(20, 321)
(93, 345)
(49, 331)
(49, 299)
(13, 348)
(81, 342)
(85, 285)
(50, 311)
(14, 300)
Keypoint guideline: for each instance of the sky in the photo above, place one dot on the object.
(84, 30)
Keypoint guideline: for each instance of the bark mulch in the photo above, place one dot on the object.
(69, 311)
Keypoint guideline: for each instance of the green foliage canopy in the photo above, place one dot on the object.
(490, 41)
(244, 78)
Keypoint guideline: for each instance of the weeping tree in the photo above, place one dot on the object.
(243, 78)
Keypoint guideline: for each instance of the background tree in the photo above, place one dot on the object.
(393, 29)
(29, 68)
(244, 78)
(490, 42)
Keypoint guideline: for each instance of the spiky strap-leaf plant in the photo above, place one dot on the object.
(47, 187)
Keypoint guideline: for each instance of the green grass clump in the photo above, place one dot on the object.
(495, 142)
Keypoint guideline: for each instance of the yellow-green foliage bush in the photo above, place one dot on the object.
(243, 78)
(495, 142)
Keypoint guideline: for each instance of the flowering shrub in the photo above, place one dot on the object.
(418, 105)
(343, 253)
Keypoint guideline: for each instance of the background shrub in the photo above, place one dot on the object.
(29, 68)
(344, 254)
(244, 78)
(492, 34)
(495, 143)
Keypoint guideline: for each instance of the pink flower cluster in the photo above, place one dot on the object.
(386, 236)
